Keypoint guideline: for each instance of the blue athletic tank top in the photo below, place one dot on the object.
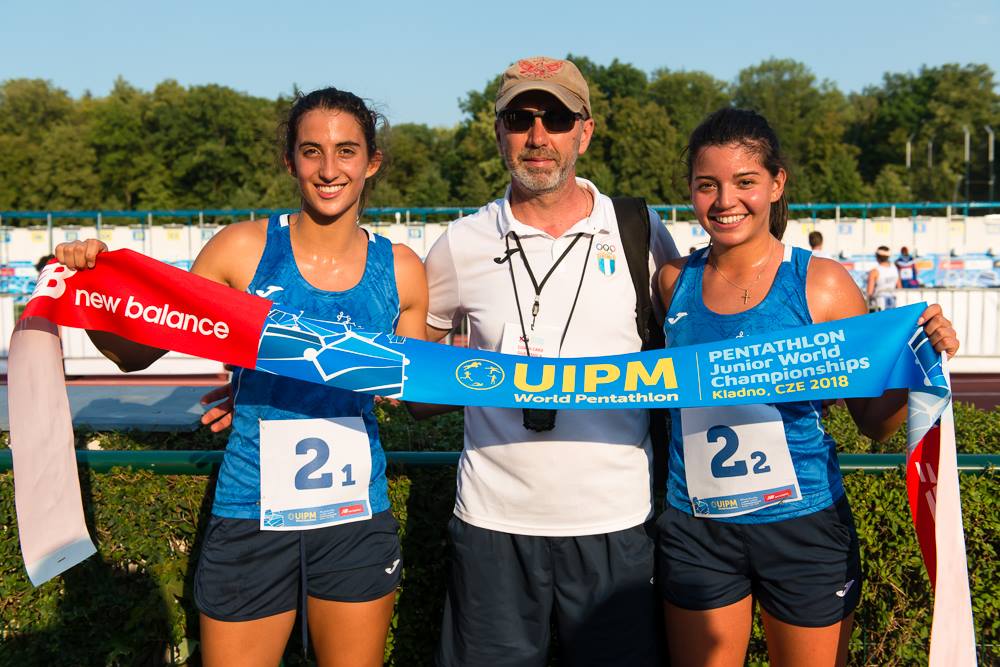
(372, 304)
(813, 451)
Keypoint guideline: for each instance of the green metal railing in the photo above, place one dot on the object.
(195, 462)
(415, 214)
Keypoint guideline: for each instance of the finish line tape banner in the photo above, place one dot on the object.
(152, 303)
(155, 304)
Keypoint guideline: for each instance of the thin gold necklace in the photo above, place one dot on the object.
(746, 290)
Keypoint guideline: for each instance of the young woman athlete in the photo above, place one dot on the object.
(799, 560)
(251, 580)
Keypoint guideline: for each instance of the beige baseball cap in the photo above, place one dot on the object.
(561, 78)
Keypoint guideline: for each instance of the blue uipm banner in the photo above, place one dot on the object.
(855, 357)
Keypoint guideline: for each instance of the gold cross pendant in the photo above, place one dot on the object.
(746, 296)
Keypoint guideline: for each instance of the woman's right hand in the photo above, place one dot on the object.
(79, 255)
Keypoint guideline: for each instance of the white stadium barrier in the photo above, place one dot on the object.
(854, 236)
(976, 316)
(82, 358)
(941, 241)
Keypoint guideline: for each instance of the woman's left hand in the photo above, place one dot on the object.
(939, 330)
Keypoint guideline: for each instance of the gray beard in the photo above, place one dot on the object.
(541, 182)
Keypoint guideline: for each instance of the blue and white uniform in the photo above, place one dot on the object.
(812, 451)
(247, 570)
(371, 305)
(756, 504)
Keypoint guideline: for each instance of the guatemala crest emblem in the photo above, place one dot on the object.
(606, 258)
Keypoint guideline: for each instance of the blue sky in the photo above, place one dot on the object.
(416, 59)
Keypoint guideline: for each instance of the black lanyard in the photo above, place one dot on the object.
(539, 286)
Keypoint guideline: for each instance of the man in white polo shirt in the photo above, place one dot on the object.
(551, 507)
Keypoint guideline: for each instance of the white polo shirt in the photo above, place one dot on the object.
(591, 474)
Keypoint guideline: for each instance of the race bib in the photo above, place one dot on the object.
(543, 341)
(905, 273)
(313, 473)
(736, 460)
(885, 301)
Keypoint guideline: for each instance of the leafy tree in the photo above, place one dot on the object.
(413, 169)
(214, 147)
(644, 148)
(473, 166)
(595, 164)
(127, 169)
(810, 120)
(891, 185)
(64, 172)
(477, 165)
(687, 97)
(29, 109)
(932, 105)
(233, 140)
(617, 80)
(476, 102)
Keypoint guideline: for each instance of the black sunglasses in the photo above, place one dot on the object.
(554, 121)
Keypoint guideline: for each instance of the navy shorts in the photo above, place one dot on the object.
(245, 573)
(804, 571)
(505, 591)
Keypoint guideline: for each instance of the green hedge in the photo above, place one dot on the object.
(132, 604)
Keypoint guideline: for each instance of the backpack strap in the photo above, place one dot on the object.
(633, 227)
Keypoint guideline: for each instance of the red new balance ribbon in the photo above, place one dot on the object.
(155, 304)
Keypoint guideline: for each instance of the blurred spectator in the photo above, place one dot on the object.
(907, 267)
(42, 261)
(816, 244)
(881, 281)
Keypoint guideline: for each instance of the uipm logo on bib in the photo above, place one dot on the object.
(479, 374)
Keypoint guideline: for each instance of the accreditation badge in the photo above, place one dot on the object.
(736, 460)
(313, 473)
(543, 341)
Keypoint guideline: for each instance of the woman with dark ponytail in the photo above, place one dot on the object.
(796, 554)
(301, 519)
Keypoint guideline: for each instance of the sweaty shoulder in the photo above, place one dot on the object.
(405, 260)
(669, 273)
(232, 255)
(831, 292)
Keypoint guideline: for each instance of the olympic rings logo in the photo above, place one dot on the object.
(605, 247)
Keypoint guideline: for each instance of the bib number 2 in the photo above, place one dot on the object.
(730, 445)
(313, 473)
(304, 479)
(736, 460)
